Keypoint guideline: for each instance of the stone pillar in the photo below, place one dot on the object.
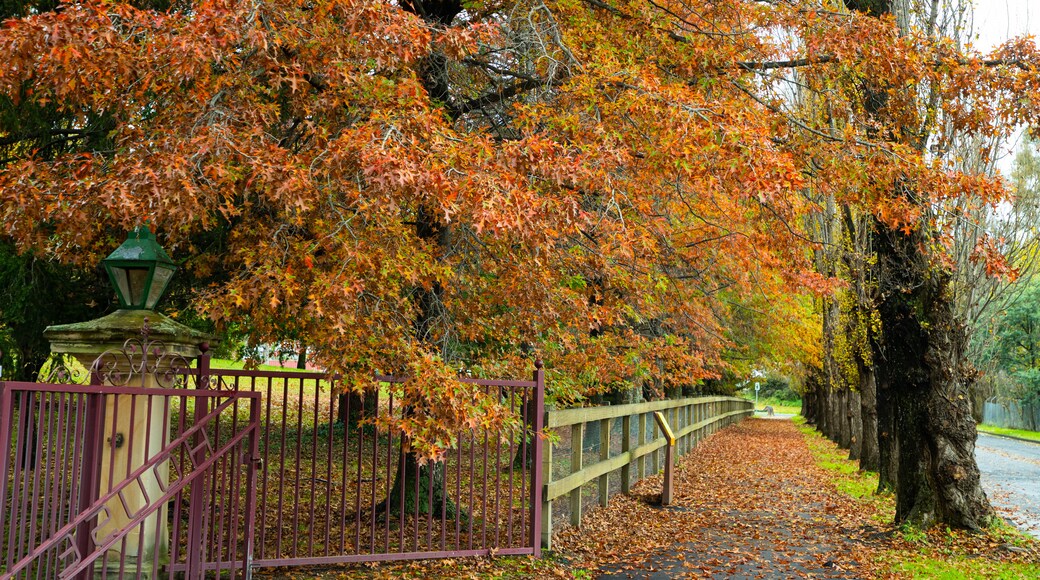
(133, 348)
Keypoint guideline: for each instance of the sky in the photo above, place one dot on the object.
(996, 21)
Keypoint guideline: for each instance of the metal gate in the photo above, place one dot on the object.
(96, 479)
(142, 482)
(327, 483)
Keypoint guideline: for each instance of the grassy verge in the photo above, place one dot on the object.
(846, 476)
(781, 406)
(1020, 433)
(998, 552)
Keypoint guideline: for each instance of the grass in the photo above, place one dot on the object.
(997, 552)
(780, 406)
(846, 475)
(1019, 433)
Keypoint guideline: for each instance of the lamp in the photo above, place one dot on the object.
(140, 270)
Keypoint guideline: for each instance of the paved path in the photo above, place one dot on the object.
(1011, 478)
(749, 504)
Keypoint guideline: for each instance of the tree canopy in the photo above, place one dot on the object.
(622, 188)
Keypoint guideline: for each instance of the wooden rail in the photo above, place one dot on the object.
(692, 419)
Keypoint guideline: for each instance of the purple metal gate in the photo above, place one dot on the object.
(325, 483)
(135, 481)
(88, 472)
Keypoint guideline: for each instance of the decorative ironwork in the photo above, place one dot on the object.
(138, 358)
(61, 372)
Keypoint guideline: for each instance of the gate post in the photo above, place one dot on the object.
(536, 467)
(126, 348)
(89, 482)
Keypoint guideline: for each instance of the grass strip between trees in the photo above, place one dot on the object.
(999, 552)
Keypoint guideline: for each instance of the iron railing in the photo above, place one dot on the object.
(329, 489)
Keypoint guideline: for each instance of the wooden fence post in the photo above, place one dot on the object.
(669, 457)
(626, 446)
(576, 463)
(640, 441)
(604, 454)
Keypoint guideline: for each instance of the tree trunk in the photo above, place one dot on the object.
(921, 356)
(869, 459)
(590, 439)
(888, 444)
(856, 426)
(431, 309)
(420, 490)
(806, 411)
(352, 407)
(844, 419)
(833, 426)
(824, 415)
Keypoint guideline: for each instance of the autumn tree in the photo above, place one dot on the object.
(416, 186)
(616, 186)
(896, 96)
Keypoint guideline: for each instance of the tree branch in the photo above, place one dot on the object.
(794, 63)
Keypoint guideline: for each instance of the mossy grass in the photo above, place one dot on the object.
(999, 551)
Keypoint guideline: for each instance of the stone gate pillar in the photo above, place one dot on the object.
(134, 348)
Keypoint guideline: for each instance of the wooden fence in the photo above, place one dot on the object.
(691, 419)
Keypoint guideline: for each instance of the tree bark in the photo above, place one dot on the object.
(352, 407)
(420, 490)
(869, 458)
(823, 397)
(921, 355)
(844, 419)
(888, 445)
(856, 426)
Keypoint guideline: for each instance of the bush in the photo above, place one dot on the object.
(778, 388)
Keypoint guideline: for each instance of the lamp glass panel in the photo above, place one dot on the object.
(138, 280)
(122, 283)
(159, 281)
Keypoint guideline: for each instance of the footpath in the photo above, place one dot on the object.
(750, 502)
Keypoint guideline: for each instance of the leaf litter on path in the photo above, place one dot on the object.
(752, 502)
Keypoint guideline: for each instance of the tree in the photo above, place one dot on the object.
(36, 294)
(891, 115)
(416, 186)
(1015, 347)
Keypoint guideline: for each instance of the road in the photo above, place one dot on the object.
(1011, 478)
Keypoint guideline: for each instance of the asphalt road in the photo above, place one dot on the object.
(1011, 478)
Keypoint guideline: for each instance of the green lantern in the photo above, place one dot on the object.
(140, 270)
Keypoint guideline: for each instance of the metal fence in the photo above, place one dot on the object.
(334, 490)
(234, 470)
(1012, 415)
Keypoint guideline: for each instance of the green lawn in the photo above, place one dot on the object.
(936, 553)
(780, 406)
(1020, 433)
